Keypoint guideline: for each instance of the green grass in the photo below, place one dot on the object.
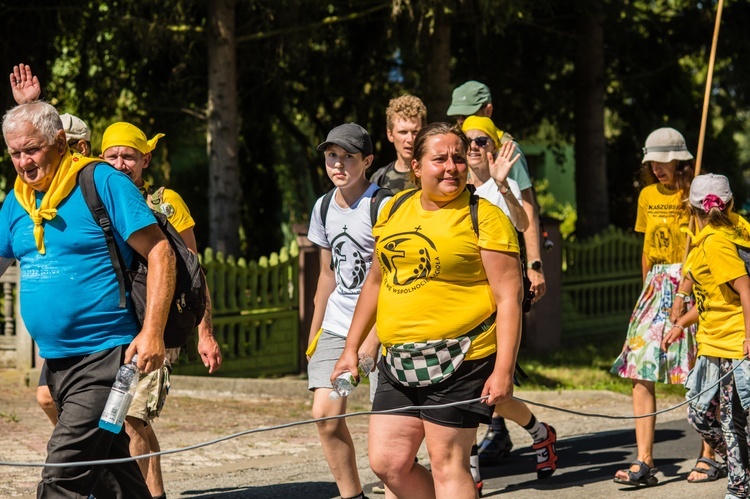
(583, 366)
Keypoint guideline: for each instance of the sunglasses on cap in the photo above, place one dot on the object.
(481, 141)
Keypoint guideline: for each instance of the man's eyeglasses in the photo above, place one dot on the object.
(480, 141)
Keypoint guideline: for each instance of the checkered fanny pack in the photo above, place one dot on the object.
(431, 362)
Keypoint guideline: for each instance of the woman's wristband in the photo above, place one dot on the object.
(682, 295)
(679, 326)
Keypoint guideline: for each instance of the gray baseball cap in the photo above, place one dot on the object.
(709, 184)
(75, 128)
(352, 137)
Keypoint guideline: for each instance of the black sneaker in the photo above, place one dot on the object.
(494, 448)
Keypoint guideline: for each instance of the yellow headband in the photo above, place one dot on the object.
(126, 135)
(483, 124)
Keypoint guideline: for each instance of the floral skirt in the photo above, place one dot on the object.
(642, 357)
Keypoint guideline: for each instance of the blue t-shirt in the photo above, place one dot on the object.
(69, 295)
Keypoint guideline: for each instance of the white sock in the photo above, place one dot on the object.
(474, 465)
(536, 429)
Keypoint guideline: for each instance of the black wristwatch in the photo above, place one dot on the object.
(535, 265)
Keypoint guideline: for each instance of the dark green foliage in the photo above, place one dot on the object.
(305, 67)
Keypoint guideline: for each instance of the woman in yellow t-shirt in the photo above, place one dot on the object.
(667, 171)
(722, 290)
(440, 281)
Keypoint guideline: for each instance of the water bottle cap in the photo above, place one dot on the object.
(334, 395)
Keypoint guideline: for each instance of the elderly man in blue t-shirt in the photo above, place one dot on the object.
(70, 297)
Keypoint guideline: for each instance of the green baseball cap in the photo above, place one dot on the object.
(468, 98)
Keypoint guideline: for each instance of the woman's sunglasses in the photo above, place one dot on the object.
(481, 141)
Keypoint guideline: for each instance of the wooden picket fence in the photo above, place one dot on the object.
(16, 346)
(601, 281)
(255, 314)
(256, 305)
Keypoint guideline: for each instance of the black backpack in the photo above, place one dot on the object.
(375, 201)
(189, 301)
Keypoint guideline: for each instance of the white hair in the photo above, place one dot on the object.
(44, 117)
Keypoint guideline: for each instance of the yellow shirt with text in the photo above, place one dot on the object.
(661, 214)
(434, 285)
(712, 264)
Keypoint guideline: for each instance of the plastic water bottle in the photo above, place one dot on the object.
(345, 383)
(120, 397)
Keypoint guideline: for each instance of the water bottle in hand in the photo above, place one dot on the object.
(345, 383)
(120, 397)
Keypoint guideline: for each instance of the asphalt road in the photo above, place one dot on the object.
(289, 463)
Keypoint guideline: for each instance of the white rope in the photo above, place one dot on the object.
(348, 415)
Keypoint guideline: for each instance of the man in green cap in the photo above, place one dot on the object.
(473, 98)
(470, 99)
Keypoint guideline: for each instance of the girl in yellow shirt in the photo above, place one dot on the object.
(722, 289)
(667, 171)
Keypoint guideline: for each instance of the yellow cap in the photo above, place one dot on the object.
(126, 135)
(485, 125)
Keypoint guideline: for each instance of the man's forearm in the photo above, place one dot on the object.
(206, 325)
(160, 284)
(531, 234)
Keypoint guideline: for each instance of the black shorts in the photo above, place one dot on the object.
(465, 384)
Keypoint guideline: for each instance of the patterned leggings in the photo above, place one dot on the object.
(728, 436)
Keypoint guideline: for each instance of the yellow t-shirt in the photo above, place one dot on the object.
(434, 285)
(180, 218)
(712, 264)
(661, 213)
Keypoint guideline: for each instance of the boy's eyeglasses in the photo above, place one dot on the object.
(481, 141)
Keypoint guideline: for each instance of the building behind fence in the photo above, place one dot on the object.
(262, 309)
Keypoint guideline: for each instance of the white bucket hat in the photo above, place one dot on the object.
(664, 145)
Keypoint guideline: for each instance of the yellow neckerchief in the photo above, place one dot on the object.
(65, 179)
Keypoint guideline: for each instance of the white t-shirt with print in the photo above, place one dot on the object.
(348, 234)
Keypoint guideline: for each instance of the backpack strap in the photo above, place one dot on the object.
(375, 201)
(473, 207)
(325, 204)
(401, 200)
(101, 216)
(156, 199)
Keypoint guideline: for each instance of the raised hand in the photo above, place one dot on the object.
(500, 166)
(24, 85)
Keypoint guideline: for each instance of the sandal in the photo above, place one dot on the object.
(644, 475)
(713, 472)
(546, 468)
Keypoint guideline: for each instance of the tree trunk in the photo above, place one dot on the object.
(224, 194)
(590, 150)
(437, 86)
